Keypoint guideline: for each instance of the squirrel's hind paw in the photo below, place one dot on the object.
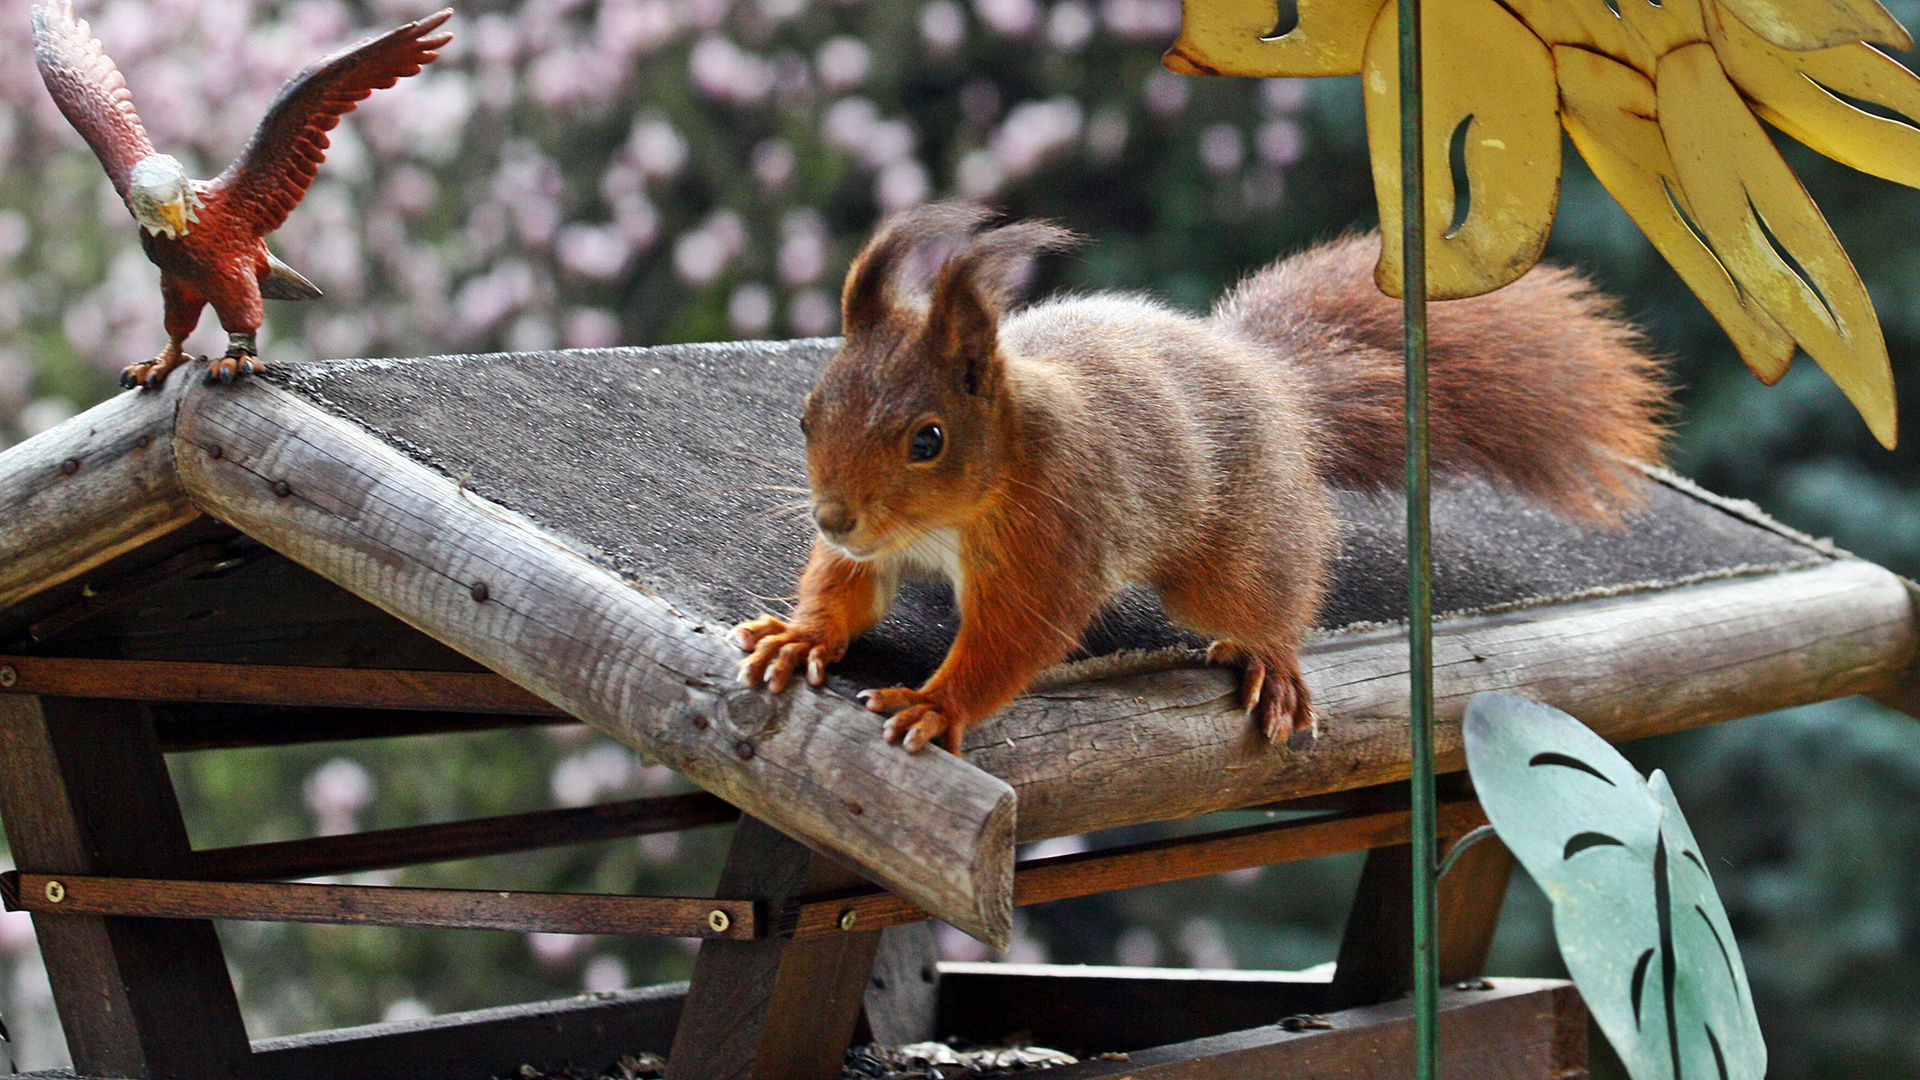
(1272, 692)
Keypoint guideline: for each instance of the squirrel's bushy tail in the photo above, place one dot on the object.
(1540, 384)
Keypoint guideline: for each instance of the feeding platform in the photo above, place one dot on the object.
(372, 548)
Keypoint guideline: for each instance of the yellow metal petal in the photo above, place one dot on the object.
(1757, 217)
(1608, 109)
(1821, 24)
(1661, 28)
(1232, 37)
(1589, 24)
(1489, 84)
(1790, 90)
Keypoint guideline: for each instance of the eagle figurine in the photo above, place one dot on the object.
(208, 237)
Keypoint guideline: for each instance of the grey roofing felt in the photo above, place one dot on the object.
(670, 466)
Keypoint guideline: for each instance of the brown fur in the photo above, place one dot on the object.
(1539, 384)
(1092, 441)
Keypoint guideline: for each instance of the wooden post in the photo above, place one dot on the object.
(903, 993)
(773, 1009)
(84, 790)
(1470, 899)
(1376, 953)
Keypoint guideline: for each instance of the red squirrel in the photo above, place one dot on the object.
(1041, 458)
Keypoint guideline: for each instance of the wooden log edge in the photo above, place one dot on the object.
(1171, 744)
(88, 490)
(523, 602)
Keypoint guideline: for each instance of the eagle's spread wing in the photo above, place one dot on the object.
(271, 175)
(89, 89)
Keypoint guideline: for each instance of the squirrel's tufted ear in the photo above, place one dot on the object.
(973, 289)
(870, 290)
(963, 327)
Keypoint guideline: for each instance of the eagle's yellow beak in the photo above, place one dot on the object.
(176, 214)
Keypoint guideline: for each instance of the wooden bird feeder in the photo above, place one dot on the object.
(364, 549)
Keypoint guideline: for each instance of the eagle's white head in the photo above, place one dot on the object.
(162, 198)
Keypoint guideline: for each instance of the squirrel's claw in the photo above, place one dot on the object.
(1271, 691)
(777, 651)
(916, 721)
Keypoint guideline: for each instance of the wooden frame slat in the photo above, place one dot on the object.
(1062, 877)
(380, 905)
(189, 726)
(265, 684)
(383, 849)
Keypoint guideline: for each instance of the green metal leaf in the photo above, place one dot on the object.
(1639, 923)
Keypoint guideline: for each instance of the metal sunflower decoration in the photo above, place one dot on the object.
(1661, 100)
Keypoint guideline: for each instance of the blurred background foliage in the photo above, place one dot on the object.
(593, 172)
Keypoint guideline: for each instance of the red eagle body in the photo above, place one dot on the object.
(208, 237)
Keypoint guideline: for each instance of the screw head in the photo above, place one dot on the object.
(56, 892)
(718, 921)
(8, 676)
(848, 918)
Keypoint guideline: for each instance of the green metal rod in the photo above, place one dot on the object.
(1413, 218)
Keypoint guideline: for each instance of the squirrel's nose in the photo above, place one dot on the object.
(834, 518)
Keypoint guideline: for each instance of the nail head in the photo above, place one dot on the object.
(855, 809)
(743, 750)
(479, 591)
(143, 442)
(282, 488)
(70, 466)
(216, 452)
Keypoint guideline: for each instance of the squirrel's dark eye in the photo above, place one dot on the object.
(927, 443)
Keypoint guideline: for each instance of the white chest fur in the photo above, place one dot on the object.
(937, 553)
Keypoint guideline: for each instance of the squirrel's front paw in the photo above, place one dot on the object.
(776, 650)
(917, 719)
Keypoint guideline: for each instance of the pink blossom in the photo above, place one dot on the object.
(1281, 142)
(1033, 130)
(803, 250)
(750, 310)
(1284, 97)
(1010, 18)
(773, 163)
(1166, 93)
(604, 975)
(811, 313)
(842, 63)
(1069, 25)
(593, 251)
(656, 147)
(1222, 148)
(335, 793)
(979, 174)
(900, 185)
(1141, 20)
(720, 69)
(590, 328)
(942, 26)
